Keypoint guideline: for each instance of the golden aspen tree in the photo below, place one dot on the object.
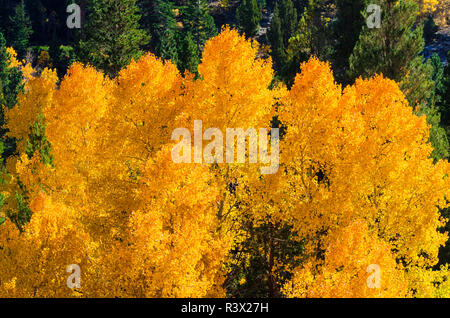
(355, 181)
(33, 263)
(360, 154)
(38, 95)
(233, 92)
(26, 68)
(106, 138)
(171, 246)
(13, 61)
(353, 256)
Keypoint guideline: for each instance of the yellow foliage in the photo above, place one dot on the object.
(13, 62)
(38, 94)
(38, 254)
(171, 246)
(353, 256)
(361, 153)
(222, 99)
(429, 5)
(26, 68)
(355, 181)
(357, 154)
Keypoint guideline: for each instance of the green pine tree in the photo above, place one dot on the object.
(198, 22)
(249, 15)
(394, 50)
(438, 135)
(438, 79)
(21, 30)
(282, 27)
(310, 39)
(275, 38)
(188, 54)
(10, 86)
(22, 213)
(346, 28)
(113, 35)
(288, 19)
(37, 142)
(159, 18)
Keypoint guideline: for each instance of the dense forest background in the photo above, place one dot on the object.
(411, 47)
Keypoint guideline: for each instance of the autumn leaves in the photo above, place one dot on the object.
(355, 181)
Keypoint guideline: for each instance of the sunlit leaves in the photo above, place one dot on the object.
(355, 181)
